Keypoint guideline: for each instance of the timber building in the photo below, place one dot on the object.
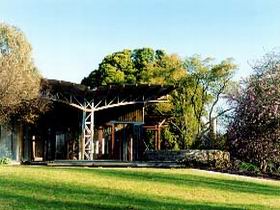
(107, 122)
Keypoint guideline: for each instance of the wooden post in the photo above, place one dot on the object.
(27, 145)
(96, 147)
(120, 142)
(131, 150)
(21, 140)
(100, 137)
(159, 130)
(124, 142)
(33, 149)
(45, 139)
(112, 141)
(67, 149)
(103, 146)
(156, 137)
(158, 143)
(82, 148)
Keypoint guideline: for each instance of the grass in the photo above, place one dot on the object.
(25, 187)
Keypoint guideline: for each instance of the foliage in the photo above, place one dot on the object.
(206, 142)
(131, 188)
(140, 66)
(169, 139)
(19, 78)
(243, 166)
(183, 124)
(196, 98)
(29, 111)
(4, 160)
(255, 132)
(5, 155)
(200, 84)
(273, 168)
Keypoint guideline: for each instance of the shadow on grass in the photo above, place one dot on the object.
(22, 194)
(188, 180)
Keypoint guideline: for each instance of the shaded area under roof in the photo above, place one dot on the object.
(148, 91)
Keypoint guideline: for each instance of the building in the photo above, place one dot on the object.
(107, 122)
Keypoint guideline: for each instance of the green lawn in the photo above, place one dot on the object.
(25, 187)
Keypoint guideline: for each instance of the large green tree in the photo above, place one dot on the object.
(196, 98)
(19, 78)
(142, 66)
(200, 84)
(136, 66)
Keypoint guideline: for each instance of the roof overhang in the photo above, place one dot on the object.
(102, 97)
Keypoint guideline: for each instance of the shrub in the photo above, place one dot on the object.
(243, 166)
(4, 161)
(255, 131)
(215, 159)
(5, 155)
(273, 168)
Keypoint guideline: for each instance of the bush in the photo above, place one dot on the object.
(254, 132)
(5, 155)
(207, 143)
(214, 159)
(273, 168)
(243, 166)
(4, 161)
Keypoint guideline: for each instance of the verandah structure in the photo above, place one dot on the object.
(107, 122)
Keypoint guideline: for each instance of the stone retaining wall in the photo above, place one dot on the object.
(192, 158)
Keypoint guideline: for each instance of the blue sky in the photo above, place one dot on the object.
(70, 37)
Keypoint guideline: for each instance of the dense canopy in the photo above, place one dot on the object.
(19, 78)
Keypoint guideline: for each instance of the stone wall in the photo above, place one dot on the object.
(192, 158)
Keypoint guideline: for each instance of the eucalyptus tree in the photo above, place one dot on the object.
(197, 96)
(19, 78)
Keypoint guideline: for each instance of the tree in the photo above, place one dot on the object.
(144, 66)
(196, 98)
(136, 66)
(19, 79)
(117, 68)
(200, 85)
(254, 132)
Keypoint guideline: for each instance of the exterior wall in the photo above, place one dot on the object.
(11, 141)
(132, 115)
(62, 125)
(119, 133)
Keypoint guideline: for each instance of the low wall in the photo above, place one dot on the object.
(192, 158)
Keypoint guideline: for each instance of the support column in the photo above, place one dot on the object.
(21, 140)
(82, 148)
(156, 137)
(158, 140)
(88, 131)
(130, 149)
(112, 141)
(101, 141)
(159, 130)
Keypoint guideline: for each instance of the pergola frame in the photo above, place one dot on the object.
(90, 101)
